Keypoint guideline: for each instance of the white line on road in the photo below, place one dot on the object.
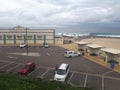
(71, 77)
(13, 68)
(42, 76)
(48, 54)
(12, 57)
(85, 80)
(5, 65)
(102, 82)
(33, 71)
(108, 72)
(11, 62)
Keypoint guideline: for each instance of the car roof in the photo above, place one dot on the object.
(29, 63)
(63, 66)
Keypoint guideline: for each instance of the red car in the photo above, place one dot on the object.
(30, 66)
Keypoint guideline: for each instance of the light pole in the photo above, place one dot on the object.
(26, 42)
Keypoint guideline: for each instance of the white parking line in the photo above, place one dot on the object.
(102, 82)
(10, 62)
(108, 72)
(71, 77)
(42, 76)
(13, 68)
(12, 57)
(48, 54)
(5, 65)
(33, 71)
(85, 80)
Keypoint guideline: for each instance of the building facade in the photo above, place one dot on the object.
(19, 34)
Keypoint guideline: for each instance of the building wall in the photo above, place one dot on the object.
(93, 50)
(17, 35)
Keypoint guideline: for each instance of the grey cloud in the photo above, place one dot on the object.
(62, 12)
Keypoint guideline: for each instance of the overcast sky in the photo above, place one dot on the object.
(58, 13)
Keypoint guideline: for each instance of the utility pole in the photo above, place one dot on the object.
(26, 42)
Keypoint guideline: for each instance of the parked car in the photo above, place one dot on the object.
(27, 68)
(22, 45)
(71, 54)
(46, 45)
(62, 72)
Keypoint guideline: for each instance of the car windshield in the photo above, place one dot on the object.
(66, 52)
(61, 71)
(26, 66)
(22, 43)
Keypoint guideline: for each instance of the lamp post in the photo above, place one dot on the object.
(26, 42)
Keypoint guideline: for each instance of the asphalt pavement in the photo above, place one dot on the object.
(83, 72)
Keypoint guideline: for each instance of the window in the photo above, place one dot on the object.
(19, 37)
(39, 37)
(67, 68)
(61, 71)
(9, 37)
(0, 37)
(69, 52)
(29, 37)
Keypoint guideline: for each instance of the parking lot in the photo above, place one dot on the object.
(83, 72)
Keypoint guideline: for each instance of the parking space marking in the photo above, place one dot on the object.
(13, 68)
(102, 82)
(91, 74)
(5, 65)
(10, 62)
(12, 57)
(42, 76)
(71, 77)
(33, 71)
(48, 54)
(108, 72)
(85, 80)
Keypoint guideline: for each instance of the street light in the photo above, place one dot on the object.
(26, 43)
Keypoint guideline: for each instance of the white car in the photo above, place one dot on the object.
(71, 54)
(46, 45)
(62, 72)
(22, 45)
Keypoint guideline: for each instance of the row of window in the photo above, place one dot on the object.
(22, 37)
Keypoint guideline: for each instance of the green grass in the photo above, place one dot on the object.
(17, 82)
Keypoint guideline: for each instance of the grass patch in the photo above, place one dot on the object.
(17, 82)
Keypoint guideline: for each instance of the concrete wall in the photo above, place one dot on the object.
(93, 50)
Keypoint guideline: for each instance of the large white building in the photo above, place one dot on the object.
(19, 34)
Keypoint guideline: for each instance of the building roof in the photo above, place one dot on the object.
(94, 46)
(111, 50)
(82, 43)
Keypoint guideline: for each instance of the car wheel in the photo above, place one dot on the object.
(70, 56)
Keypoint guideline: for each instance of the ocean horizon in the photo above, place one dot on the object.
(82, 32)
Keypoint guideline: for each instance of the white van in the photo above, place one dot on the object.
(62, 72)
(71, 54)
(22, 45)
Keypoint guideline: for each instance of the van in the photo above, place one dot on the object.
(62, 72)
(71, 54)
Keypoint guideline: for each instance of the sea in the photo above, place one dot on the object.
(74, 32)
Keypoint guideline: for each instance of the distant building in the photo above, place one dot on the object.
(19, 34)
